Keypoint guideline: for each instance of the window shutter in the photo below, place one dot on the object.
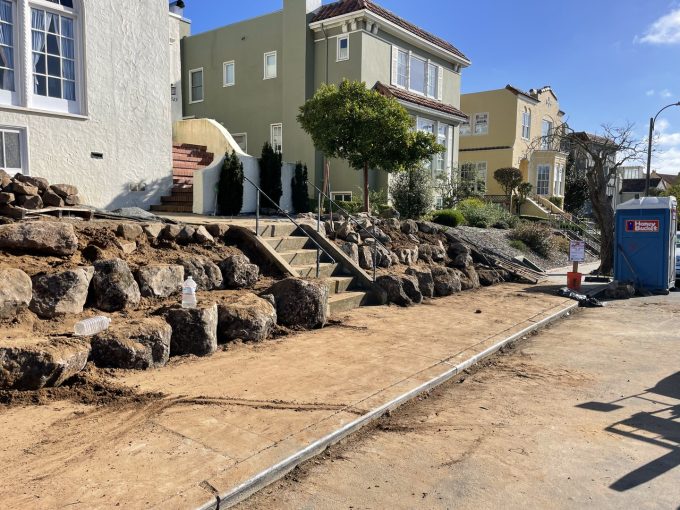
(440, 84)
(395, 64)
(449, 147)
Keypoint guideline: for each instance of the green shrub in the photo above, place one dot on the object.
(562, 244)
(230, 186)
(270, 176)
(412, 193)
(536, 236)
(480, 214)
(558, 201)
(353, 207)
(299, 189)
(448, 217)
(518, 245)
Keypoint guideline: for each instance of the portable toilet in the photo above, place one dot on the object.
(645, 243)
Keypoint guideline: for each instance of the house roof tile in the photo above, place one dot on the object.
(419, 100)
(343, 7)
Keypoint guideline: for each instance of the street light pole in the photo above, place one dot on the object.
(652, 123)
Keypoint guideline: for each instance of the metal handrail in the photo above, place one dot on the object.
(319, 249)
(349, 216)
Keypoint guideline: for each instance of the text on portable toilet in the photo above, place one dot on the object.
(642, 225)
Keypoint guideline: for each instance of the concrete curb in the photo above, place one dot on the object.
(278, 471)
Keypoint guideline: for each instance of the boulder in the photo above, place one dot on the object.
(365, 254)
(7, 198)
(238, 272)
(113, 286)
(205, 273)
(65, 293)
(40, 237)
(93, 253)
(127, 247)
(431, 253)
(379, 235)
(35, 364)
(411, 287)
(186, 235)
(31, 202)
(217, 230)
(170, 233)
(393, 285)
(393, 223)
(425, 280)
(22, 188)
(459, 255)
(72, 200)
(345, 230)
(15, 292)
(352, 251)
(390, 213)
(409, 227)
(51, 199)
(160, 280)
(202, 236)
(469, 279)
(153, 231)
(139, 345)
(488, 276)
(194, 330)
(407, 256)
(64, 190)
(427, 227)
(5, 179)
(130, 231)
(247, 317)
(619, 290)
(353, 238)
(446, 281)
(40, 183)
(301, 303)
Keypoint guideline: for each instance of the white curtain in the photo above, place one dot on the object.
(6, 56)
(38, 36)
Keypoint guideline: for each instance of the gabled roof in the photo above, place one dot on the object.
(418, 100)
(343, 7)
(670, 178)
(519, 92)
(590, 137)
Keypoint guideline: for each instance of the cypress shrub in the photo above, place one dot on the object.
(230, 186)
(298, 186)
(270, 176)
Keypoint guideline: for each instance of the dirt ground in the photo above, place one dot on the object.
(586, 414)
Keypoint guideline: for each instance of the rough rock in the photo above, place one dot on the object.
(238, 272)
(488, 277)
(60, 294)
(217, 230)
(446, 281)
(425, 280)
(345, 230)
(127, 247)
(130, 231)
(352, 251)
(411, 287)
(72, 200)
(15, 292)
(409, 227)
(393, 285)
(194, 330)
(31, 203)
(301, 303)
(393, 223)
(619, 290)
(353, 238)
(186, 235)
(160, 280)
(64, 190)
(113, 286)
(40, 237)
(205, 273)
(248, 317)
(35, 364)
(136, 345)
(469, 278)
(459, 254)
(39, 182)
(171, 233)
(51, 199)
(6, 198)
(407, 256)
(431, 253)
(202, 236)
(379, 235)
(93, 253)
(427, 227)
(390, 213)
(5, 179)
(23, 188)
(153, 231)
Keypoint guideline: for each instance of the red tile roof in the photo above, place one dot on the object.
(419, 100)
(348, 6)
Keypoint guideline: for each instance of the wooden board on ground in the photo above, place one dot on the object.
(60, 212)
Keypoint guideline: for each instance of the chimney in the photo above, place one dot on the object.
(177, 7)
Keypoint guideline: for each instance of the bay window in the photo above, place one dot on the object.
(542, 179)
(473, 175)
(427, 126)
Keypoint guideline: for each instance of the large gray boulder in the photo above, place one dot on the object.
(51, 199)
(202, 236)
(245, 317)
(412, 288)
(352, 251)
(407, 256)
(130, 231)
(60, 294)
(425, 280)
(345, 230)
(23, 188)
(431, 253)
(205, 272)
(488, 276)
(160, 281)
(64, 190)
(31, 203)
(469, 278)
(446, 281)
(39, 182)
(40, 238)
(409, 227)
(393, 285)
(15, 292)
(113, 286)
(238, 272)
(459, 255)
(34, 364)
(365, 255)
(301, 303)
(138, 345)
(194, 330)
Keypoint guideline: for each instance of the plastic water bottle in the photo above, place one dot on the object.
(90, 327)
(189, 293)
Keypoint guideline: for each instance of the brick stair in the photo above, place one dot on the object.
(296, 249)
(186, 159)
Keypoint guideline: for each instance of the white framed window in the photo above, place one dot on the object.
(526, 124)
(558, 188)
(343, 48)
(402, 68)
(546, 134)
(270, 65)
(417, 74)
(242, 140)
(433, 80)
(277, 137)
(474, 172)
(441, 159)
(12, 150)
(427, 126)
(481, 123)
(229, 74)
(196, 84)
(465, 128)
(8, 19)
(341, 196)
(543, 180)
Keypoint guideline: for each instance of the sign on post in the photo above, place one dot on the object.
(577, 251)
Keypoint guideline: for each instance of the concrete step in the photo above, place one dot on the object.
(172, 208)
(345, 302)
(300, 257)
(278, 230)
(286, 243)
(326, 269)
(339, 284)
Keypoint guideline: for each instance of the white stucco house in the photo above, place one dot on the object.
(87, 90)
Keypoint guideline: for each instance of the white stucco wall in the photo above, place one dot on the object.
(127, 111)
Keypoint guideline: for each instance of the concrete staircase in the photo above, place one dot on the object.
(300, 253)
(186, 159)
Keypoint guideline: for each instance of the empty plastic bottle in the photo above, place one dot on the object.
(89, 327)
(189, 293)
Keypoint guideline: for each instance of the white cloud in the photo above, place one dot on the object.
(665, 30)
(662, 125)
(666, 93)
(667, 158)
(650, 92)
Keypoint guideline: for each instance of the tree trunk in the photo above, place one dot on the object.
(604, 216)
(366, 198)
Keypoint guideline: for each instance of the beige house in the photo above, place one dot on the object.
(506, 129)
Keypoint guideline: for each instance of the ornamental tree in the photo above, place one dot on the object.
(509, 178)
(365, 128)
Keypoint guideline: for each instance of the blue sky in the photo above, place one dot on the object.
(609, 61)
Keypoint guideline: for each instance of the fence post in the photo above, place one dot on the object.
(257, 214)
(318, 218)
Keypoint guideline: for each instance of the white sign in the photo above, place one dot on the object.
(577, 251)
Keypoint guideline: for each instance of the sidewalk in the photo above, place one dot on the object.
(226, 419)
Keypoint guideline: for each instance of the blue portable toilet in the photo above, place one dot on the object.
(645, 243)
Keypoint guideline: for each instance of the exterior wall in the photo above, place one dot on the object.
(179, 29)
(127, 109)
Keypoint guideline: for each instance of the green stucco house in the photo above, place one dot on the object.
(253, 76)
